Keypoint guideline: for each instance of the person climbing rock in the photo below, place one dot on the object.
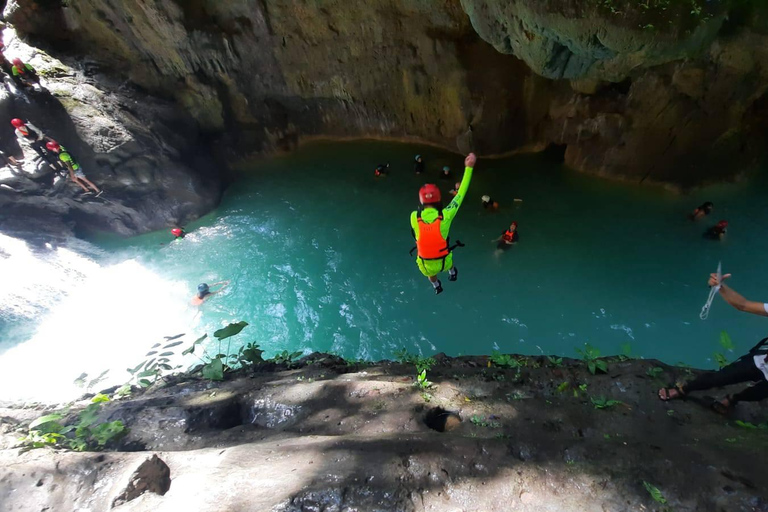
(418, 166)
(717, 232)
(30, 136)
(702, 211)
(431, 224)
(24, 74)
(455, 189)
(489, 203)
(178, 233)
(751, 367)
(204, 292)
(381, 170)
(446, 174)
(509, 237)
(76, 173)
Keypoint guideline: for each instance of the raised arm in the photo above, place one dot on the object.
(735, 299)
(453, 207)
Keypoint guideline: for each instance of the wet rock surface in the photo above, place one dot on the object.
(357, 439)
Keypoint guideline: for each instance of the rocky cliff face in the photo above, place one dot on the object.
(663, 91)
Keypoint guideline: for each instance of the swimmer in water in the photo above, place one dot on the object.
(702, 211)
(508, 238)
(178, 233)
(455, 189)
(204, 292)
(381, 170)
(418, 166)
(717, 232)
(490, 204)
(446, 174)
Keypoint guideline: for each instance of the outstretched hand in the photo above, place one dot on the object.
(713, 281)
(470, 160)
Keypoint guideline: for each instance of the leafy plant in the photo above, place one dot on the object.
(427, 397)
(590, 355)
(563, 386)
(286, 357)
(557, 362)
(480, 421)
(655, 493)
(751, 426)
(421, 363)
(726, 342)
(505, 360)
(600, 402)
(654, 372)
(421, 380)
(83, 435)
(720, 359)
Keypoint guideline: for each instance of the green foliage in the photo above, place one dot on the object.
(427, 397)
(557, 362)
(655, 493)
(230, 330)
(286, 357)
(600, 402)
(505, 360)
(751, 426)
(726, 342)
(563, 386)
(421, 363)
(85, 434)
(654, 372)
(421, 380)
(214, 369)
(480, 421)
(590, 355)
(720, 359)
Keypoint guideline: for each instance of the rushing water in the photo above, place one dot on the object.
(316, 250)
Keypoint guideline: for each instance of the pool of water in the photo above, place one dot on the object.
(316, 250)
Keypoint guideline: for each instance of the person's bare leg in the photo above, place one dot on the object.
(90, 184)
(82, 186)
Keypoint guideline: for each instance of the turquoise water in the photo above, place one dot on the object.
(316, 250)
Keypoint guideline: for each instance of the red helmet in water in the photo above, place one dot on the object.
(429, 194)
(17, 123)
(18, 62)
(53, 146)
(722, 224)
(176, 232)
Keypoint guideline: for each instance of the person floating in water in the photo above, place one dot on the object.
(178, 233)
(489, 203)
(204, 292)
(446, 174)
(717, 232)
(509, 237)
(418, 165)
(76, 173)
(702, 211)
(751, 367)
(431, 224)
(381, 170)
(455, 189)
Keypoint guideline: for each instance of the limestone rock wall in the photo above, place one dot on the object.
(672, 94)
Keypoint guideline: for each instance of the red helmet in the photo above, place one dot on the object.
(722, 224)
(17, 123)
(514, 223)
(176, 232)
(53, 146)
(429, 194)
(18, 62)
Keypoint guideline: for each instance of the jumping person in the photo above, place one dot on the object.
(702, 211)
(76, 173)
(509, 237)
(430, 225)
(418, 166)
(204, 292)
(752, 367)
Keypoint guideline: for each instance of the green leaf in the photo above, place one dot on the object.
(174, 344)
(48, 418)
(101, 397)
(654, 492)
(147, 373)
(132, 371)
(105, 432)
(144, 383)
(165, 367)
(156, 345)
(725, 341)
(151, 353)
(721, 360)
(563, 386)
(214, 370)
(745, 424)
(171, 338)
(166, 354)
(230, 330)
(191, 349)
(592, 367)
(602, 366)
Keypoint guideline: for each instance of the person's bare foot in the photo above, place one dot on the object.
(670, 393)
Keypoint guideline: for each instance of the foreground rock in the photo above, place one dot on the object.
(335, 436)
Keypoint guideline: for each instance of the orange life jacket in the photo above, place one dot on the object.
(508, 236)
(431, 244)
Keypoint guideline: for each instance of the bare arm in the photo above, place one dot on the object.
(735, 299)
